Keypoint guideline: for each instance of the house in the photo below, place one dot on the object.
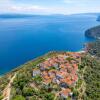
(65, 93)
(47, 81)
(59, 75)
(36, 72)
(56, 65)
(75, 66)
(54, 80)
(63, 85)
(51, 74)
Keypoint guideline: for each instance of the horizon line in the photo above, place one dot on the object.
(51, 14)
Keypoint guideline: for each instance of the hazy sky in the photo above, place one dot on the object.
(49, 6)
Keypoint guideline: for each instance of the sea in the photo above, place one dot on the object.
(25, 38)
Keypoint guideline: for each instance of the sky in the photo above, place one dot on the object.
(49, 6)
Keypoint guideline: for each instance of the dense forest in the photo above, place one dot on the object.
(92, 78)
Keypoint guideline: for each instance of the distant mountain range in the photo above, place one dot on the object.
(52, 15)
(16, 15)
(28, 15)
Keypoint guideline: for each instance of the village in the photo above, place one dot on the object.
(62, 70)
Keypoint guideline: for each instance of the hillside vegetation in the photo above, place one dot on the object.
(93, 32)
(94, 48)
(92, 78)
(92, 61)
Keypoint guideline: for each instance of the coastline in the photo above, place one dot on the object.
(46, 54)
(82, 51)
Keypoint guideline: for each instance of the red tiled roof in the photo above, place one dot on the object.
(65, 92)
(67, 70)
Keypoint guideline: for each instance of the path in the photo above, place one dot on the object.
(83, 86)
(56, 95)
(7, 90)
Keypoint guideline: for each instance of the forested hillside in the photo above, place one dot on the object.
(93, 32)
(94, 48)
(92, 78)
(92, 73)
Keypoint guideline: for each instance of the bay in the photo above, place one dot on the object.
(23, 39)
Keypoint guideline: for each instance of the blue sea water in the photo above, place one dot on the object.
(23, 39)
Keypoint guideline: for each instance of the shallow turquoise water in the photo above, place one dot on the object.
(22, 39)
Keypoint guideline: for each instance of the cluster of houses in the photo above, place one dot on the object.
(61, 70)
